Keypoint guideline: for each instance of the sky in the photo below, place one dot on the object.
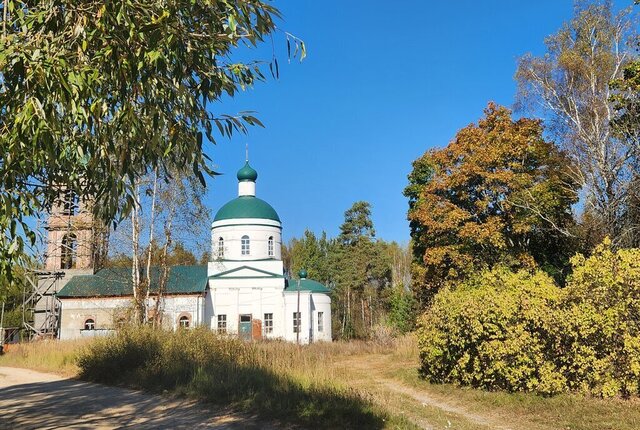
(383, 82)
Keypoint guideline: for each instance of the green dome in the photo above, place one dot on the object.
(247, 173)
(247, 207)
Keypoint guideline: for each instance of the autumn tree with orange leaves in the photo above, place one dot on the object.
(499, 193)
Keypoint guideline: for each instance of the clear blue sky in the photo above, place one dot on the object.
(383, 82)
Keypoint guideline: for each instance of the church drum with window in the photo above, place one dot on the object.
(242, 291)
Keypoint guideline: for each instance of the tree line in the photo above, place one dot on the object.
(368, 277)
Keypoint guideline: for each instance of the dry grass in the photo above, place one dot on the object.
(513, 410)
(280, 380)
(380, 380)
(52, 356)
(530, 411)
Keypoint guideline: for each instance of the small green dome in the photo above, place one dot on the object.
(247, 207)
(247, 173)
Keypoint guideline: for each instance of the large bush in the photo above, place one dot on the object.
(520, 332)
(599, 323)
(492, 332)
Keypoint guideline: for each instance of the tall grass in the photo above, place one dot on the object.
(275, 379)
(46, 355)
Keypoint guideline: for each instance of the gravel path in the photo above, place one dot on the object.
(34, 400)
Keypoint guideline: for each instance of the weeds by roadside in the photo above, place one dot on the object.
(274, 379)
(46, 355)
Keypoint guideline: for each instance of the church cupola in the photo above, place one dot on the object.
(246, 228)
(247, 180)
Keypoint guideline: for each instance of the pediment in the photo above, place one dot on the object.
(245, 272)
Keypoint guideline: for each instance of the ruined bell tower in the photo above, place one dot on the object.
(75, 245)
(71, 242)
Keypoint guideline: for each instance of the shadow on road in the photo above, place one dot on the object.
(71, 403)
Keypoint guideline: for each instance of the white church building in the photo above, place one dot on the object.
(242, 291)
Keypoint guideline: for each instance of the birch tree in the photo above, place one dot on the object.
(571, 86)
(167, 215)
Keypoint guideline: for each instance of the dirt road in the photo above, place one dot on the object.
(34, 400)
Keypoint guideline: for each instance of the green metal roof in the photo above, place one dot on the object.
(247, 173)
(247, 207)
(113, 282)
(305, 285)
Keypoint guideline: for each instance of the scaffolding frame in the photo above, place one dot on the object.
(39, 299)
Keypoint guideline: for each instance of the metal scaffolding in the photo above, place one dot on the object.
(40, 306)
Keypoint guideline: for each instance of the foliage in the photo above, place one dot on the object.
(626, 127)
(491, 332)
(227, 371)
(178, 255)
(520, 332)
(570, 85)
(599, 326)
(402, 309)
(311, 254)
(498, 193)
(360, 270)
(94, 95)
(205, 258)
(11, 295)
(357, 224)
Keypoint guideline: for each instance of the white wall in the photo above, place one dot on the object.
(271, 266)
(257, 301)
(310, 305)
(106, 312)
(258, 230)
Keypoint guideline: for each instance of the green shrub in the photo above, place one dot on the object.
(402, 305)
(492, 332)
(520, 332)
(599, 323)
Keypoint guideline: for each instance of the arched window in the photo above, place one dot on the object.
(220, 247)
(184, 321)
(89, 324)
(270, 246)
(244, 245)
(68, 252)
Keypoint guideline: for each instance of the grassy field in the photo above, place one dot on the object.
(52, 356)
(337, 385)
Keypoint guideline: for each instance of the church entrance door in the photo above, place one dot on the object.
(245, 327)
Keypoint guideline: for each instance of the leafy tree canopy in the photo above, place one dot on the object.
(571, 86)
(95, 94)
(310, 253)
(357, 224)
(497, 193)
(178, 255)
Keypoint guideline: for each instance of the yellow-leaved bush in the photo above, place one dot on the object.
(599, 323)
(521, 332)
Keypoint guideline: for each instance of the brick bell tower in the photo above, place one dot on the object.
(72, 245)
(76, 245)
